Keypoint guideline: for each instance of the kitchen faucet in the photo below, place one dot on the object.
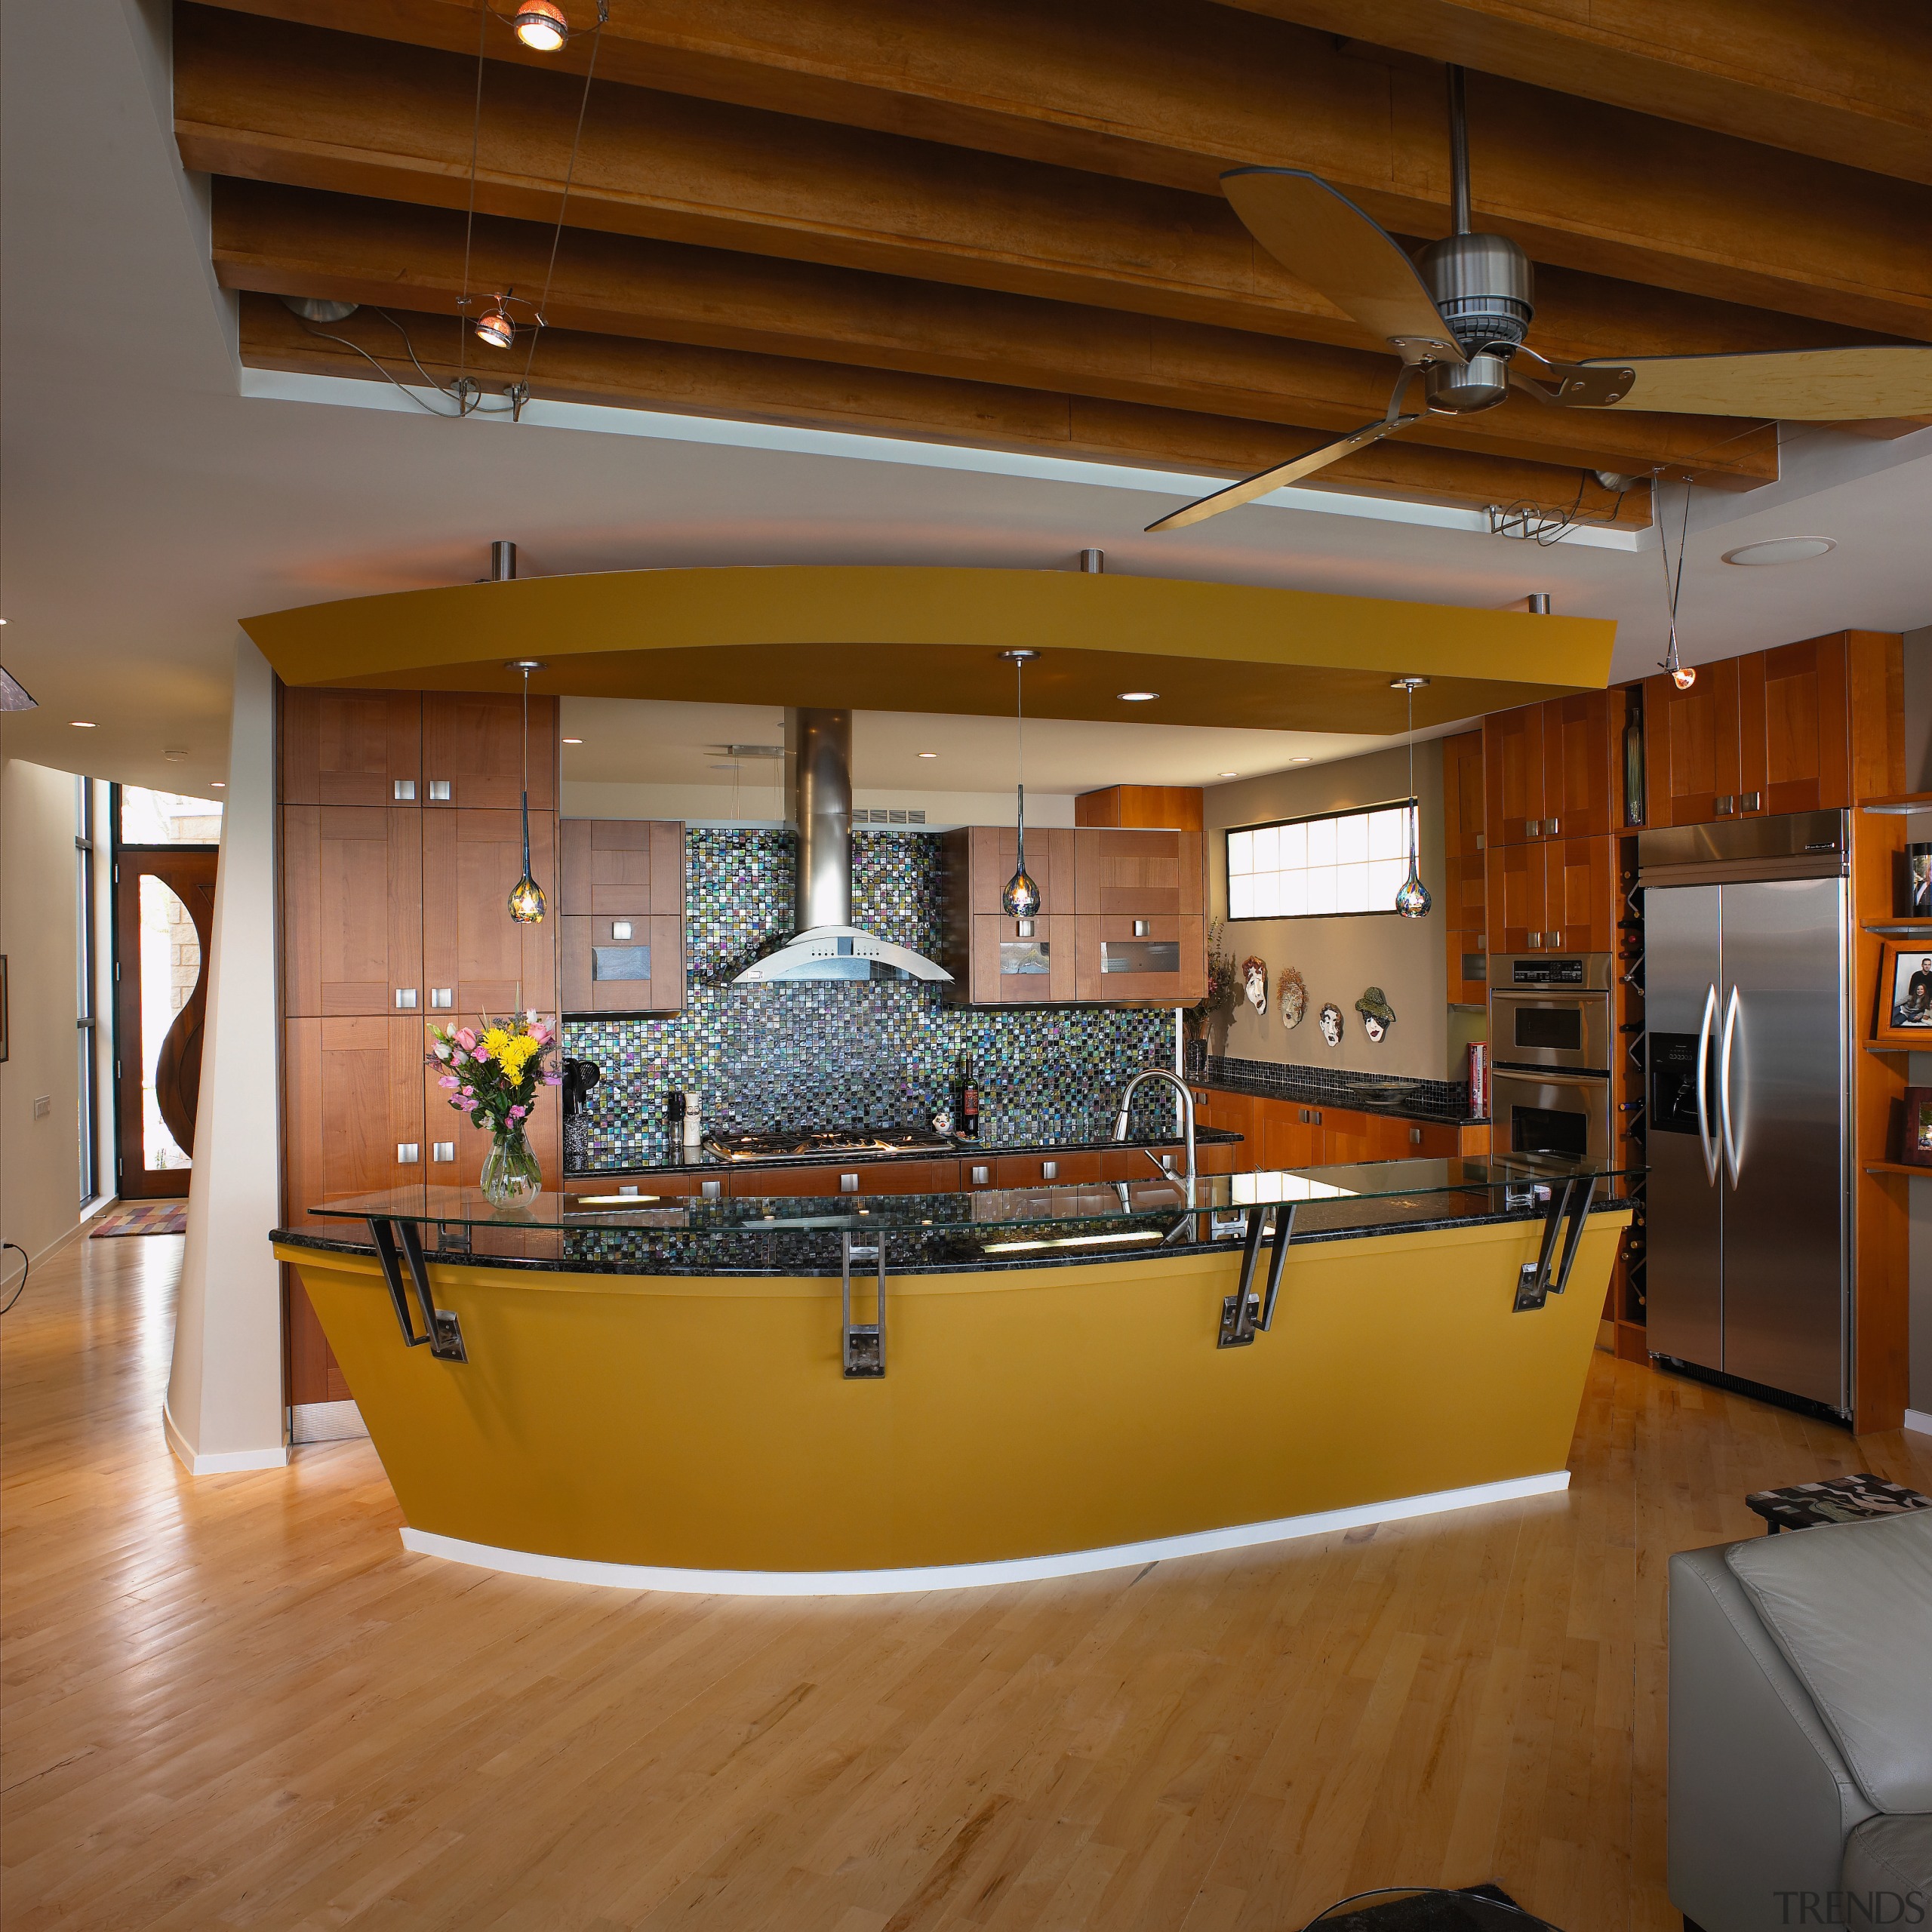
(1181, 1087)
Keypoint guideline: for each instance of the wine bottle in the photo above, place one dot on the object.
(969, 1099)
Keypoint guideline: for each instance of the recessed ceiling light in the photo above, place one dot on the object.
(217, 784)
(1137, 697)
(573, 741)
(1231, 774)
(82, 724)
(929, 754)
(1781, 550)
(1301, 761)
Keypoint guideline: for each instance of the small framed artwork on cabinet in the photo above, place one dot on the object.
(1916, 1139)
(1904, 1017)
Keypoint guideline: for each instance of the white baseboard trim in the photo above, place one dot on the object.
(224, 1463)
(1919, 1418)
(11, 1272)
(969, 1575)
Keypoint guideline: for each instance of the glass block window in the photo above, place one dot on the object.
(1311, 868)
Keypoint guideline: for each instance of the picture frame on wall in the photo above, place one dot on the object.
(1904, 1017)
(1915, 1136)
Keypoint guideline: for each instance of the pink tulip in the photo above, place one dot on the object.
(469, 1090)
(553, 1079)
(517, 1113)
(449, 1080)
(466, 1039)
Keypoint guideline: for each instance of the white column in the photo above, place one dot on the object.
(224, 1408)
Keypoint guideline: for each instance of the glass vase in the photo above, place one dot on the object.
(511, 1176)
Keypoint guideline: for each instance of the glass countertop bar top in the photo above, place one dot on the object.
(1516, 1183)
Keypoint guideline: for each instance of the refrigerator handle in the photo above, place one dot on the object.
(1733, 1150)
(1707, 1140)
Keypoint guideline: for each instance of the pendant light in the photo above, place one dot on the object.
(1412, 901)
(1021, 898)
(1682, 676)
(526, 895)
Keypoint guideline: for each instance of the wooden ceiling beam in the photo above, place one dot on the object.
(1851, 84)
(1132, 89)
(629, 374)
(293, 241)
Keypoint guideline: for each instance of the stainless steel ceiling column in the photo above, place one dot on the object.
(818, 746)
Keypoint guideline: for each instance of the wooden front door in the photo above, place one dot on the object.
(163, 913)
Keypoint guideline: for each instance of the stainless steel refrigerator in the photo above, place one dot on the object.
(1748, 1044)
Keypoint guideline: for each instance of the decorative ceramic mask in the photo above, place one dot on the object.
(1291, 996)
(1254, 976)
(1331, 1022)
(1377, 1015)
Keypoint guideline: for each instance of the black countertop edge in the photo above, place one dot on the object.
(701, 1162)
(1312, 1096)
(322, 1244)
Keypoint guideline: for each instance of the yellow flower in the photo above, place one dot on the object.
(496, 1040)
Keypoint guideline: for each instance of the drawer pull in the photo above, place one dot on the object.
(981, 1175)
(405, 791)
(442, 1150)
(439, 791)
(441, 996)
(1049, 1171)
(712, 1190)
(407, 1153)
(405, 999)
(620, 929)
(848, 1183)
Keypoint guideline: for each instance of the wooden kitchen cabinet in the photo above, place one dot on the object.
(453, 1150)
(1579, 895)
(1077, 1167)
(1157, 961)
(1464, 896)
(1795, 727)
(627, 868)
(1581, 796)
(351, 908)
(1693, 745)
(620, 895)
(630, 965)
(1512, 769)
(1514, 885)
(350, 747)
(354, 1091)
(476, 959)
(1138, 874)
(1007, 969)
(473, 751)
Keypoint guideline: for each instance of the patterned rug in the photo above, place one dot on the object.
(146, 1217)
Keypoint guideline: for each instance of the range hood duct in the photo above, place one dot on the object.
(818, 748)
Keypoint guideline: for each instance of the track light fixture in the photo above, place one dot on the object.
(541, 25)
(1682, 676)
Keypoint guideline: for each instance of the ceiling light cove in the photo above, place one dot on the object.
(1137, 697)
(1782, 550)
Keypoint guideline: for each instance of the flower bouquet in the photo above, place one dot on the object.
(491, 1072)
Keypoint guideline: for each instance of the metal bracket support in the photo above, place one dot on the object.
(1244, 1314)
(863, 1349)
(442, 1332)
(1547, 1275)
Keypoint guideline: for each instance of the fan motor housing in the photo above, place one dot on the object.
(1486, 288)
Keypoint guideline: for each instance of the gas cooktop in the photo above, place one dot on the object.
(879, 1144)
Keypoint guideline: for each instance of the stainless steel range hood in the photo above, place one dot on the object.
(818, 747)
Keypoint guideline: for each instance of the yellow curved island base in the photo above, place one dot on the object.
(696, 1433)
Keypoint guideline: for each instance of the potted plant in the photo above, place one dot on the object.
(491, 1073)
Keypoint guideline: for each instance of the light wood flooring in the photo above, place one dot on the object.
(238, 1702)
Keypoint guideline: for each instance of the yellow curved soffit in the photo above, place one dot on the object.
(896, 637)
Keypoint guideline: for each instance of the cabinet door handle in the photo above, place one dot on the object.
(441, 996)
(1751, 802)
(1049, 1171)
(1551, 826)
(405, 999)
(407, 1153)
(1531, 826)
(712, 1189)
(1723, 806)
(439, 791)
(405, 791)
(981, 1175)
(442, 1150)
(848, 1183)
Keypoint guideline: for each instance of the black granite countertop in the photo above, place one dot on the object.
(698, 1160)
(1440, 1102)
(806, 1253)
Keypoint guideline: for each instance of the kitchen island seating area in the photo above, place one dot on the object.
(785, 1395)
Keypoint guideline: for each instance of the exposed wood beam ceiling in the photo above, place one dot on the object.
(998, 222)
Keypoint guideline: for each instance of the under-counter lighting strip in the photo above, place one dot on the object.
(1075, 1240)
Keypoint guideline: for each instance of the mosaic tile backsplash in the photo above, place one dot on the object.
(851, 1054)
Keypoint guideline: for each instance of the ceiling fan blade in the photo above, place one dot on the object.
(1793, 385)
(1324, 238)
(1235, 494)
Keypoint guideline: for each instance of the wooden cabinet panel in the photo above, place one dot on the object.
(1515, 886)
(1346, 1136)
(1463, 801)
(351, 748)
(1290, 1136)
(1512, 768)
(1006, 970)
(471, 948)
(1130, 874)
(1797, 728)
(622, 866)
(1692, 746)
(1107, 947)
(631, 965)
(992, 853)
(1179, 806)
(1579, 791)
(354, 1100)
(1579, 908)
(649, 1186)
(472, 744)
(352, 910)
(1069, 1169)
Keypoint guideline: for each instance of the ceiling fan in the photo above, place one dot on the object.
(1457, 314)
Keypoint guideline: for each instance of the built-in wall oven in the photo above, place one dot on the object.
(1552, 1041)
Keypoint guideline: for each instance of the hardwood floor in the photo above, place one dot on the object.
(238, 1703)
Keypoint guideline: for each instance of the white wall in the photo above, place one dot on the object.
(225, 1409)
(1340, 957)
(39, 1157)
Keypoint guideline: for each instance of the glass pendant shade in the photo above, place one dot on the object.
(1021, 899)
(527, 901)
(1412, 898)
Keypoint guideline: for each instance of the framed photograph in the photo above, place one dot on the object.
(1915, 1137)
(1904, 1017)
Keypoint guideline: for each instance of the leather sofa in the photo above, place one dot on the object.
(1800, 1729)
